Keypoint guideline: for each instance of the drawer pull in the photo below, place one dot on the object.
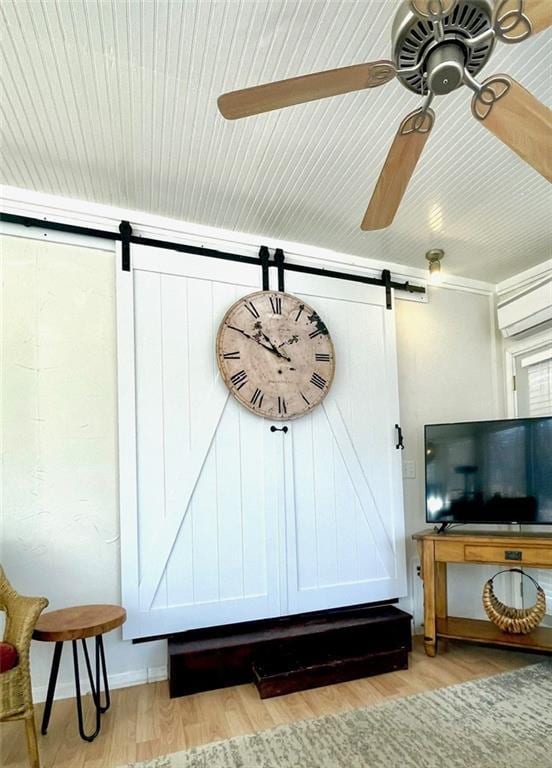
(512, 554)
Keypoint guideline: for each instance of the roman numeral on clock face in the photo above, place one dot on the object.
(251, 308)
(305, 399)
(239, 379)
(282, 406)
(231, 355)
(318, 381)
(314, 334)
(276, 304)
(321, 358)
(298, 315)
(257, 398)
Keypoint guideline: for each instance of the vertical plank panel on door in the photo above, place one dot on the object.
(177, 371)
(256, 531)
(230, 471)
(324, 481)
(303, 571)
(205, 540)
(230, 504)
(149, 410)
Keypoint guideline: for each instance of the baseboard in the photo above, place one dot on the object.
(119, 680)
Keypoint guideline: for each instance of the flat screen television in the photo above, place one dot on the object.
(489, 472)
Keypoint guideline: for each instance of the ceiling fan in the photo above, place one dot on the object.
(437, 46)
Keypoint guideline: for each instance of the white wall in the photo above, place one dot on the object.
(60, 507)
(449, 370)
(60, 510)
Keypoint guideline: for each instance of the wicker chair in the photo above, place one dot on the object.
(16, 701)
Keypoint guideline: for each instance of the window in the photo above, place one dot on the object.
(533, 373)
(539, 376)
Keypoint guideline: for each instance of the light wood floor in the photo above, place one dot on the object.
(144, 723)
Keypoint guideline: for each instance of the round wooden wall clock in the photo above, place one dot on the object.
(275, 355)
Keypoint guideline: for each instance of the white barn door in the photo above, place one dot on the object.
(198, 516)
(223, 520)
(344, 507)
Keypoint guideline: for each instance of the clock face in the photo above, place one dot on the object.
(275, 354)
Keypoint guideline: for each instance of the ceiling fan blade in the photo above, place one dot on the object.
(518, 119)
(399, 166)
(515, 20)
(298, 90)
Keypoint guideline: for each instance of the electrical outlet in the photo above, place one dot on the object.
(409, 470)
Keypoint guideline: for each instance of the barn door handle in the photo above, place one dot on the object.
(400, 438)
(278, 429)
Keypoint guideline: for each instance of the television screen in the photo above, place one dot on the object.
(489, 472)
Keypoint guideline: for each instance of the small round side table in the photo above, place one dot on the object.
(78, 623)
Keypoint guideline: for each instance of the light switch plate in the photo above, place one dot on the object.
(409, 470)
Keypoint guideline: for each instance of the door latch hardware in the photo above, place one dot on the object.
(278, 429)
(400, 438)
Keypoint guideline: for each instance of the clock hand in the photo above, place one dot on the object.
(276, 350)
(272, 348)
(239, 330)
(248, 336)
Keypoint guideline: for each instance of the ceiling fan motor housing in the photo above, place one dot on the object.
(442, 63)
(445, 68)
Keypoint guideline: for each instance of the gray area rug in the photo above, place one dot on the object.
(503, 721)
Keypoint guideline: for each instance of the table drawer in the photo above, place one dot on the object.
(509, 555)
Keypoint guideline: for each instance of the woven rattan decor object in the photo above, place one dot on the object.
(519, 621)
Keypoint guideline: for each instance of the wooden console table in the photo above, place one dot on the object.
(483, 548)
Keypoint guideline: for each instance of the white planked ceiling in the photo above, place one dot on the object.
(115, 102)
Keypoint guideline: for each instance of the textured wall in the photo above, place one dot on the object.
(60, 494)
(447, 356)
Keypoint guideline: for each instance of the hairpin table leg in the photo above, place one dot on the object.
(95, 684)
(51, 687)
(91, 736)
(100, 650)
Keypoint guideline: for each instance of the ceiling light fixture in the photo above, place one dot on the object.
(434, 257)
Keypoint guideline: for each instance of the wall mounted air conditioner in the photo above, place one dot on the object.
(528, 311)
